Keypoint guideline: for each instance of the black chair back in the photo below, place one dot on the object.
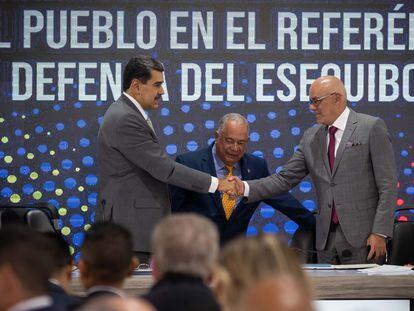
(402, 245)
(41, 217)
(38, 220)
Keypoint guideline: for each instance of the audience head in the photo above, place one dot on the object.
(248, 262)
(327, 99)
(143, 80)
(62, 259)
(231, 138)
(186, 244)
(274, 293)
(111, 303)
(25, 265)
(107, 256)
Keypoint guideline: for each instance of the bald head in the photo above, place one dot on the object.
(331, 84)
(328, 99)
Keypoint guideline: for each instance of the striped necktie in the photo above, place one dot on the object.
(150, 124)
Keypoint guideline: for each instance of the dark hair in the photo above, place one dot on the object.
(59, 249)
(26, 252)
(140, 68)
(107, 252)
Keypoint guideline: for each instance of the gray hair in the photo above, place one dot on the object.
(231, 117)
(185, 243)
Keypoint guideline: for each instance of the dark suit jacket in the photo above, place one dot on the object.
(134, 172)
(181, 293)
(61, 298)
(210, 205)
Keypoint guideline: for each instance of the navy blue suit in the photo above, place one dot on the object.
(209, 204)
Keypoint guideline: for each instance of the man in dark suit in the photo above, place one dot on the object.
(350, 158)
(185, 247)
(228, 152)
(134, 170)
(25, 266)
(107, 259)
(61, 274)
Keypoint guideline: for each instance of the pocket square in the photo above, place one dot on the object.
(350, 144)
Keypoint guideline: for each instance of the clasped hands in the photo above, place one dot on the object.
(232, 185)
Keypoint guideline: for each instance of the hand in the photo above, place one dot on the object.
(229, 187)
(239, 184)
(378, 247)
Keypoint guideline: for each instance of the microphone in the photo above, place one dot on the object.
(346, 253)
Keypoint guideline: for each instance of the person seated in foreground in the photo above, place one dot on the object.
(249, 268)
(106, 260)
(185, 247)
(25, 266)
(61, 274)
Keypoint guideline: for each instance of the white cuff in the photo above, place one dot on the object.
(382, 235)
(213, 185)
(246, 189)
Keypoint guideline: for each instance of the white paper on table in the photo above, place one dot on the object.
(388, 270)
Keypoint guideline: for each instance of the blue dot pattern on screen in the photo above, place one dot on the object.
(54, 150)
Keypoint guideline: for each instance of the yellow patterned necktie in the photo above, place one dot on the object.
(228, 203)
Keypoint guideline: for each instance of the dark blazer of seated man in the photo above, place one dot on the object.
(61, 274)
(107, 259)
(25, 266)
(229, 149)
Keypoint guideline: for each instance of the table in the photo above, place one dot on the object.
(327, 284)
(345, 284)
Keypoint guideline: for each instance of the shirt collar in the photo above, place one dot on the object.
(102, 288)
(33, 303)
(340, 122)
(134, 101)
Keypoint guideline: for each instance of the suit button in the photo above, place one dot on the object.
(329, 205)
(332, 184)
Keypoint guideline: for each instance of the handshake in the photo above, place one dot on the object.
(232, 185)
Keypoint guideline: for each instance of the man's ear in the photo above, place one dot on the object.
(83, 268)
(68, 272)
(156, 273)
(136, 84)
(216, 134)
(338, 98)
(133, 265)
(8, 276)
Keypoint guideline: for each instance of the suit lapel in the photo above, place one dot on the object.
(350, 127)
(245, 170)
(127, 101)
(320, 149)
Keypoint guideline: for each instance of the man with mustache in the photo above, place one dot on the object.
(228, 152)
(134, 170)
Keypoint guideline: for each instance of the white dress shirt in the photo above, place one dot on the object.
(340, 124)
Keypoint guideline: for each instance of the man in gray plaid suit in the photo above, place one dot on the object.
(350, 159)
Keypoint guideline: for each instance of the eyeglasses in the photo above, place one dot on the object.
(317, 100)
(231, 141)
